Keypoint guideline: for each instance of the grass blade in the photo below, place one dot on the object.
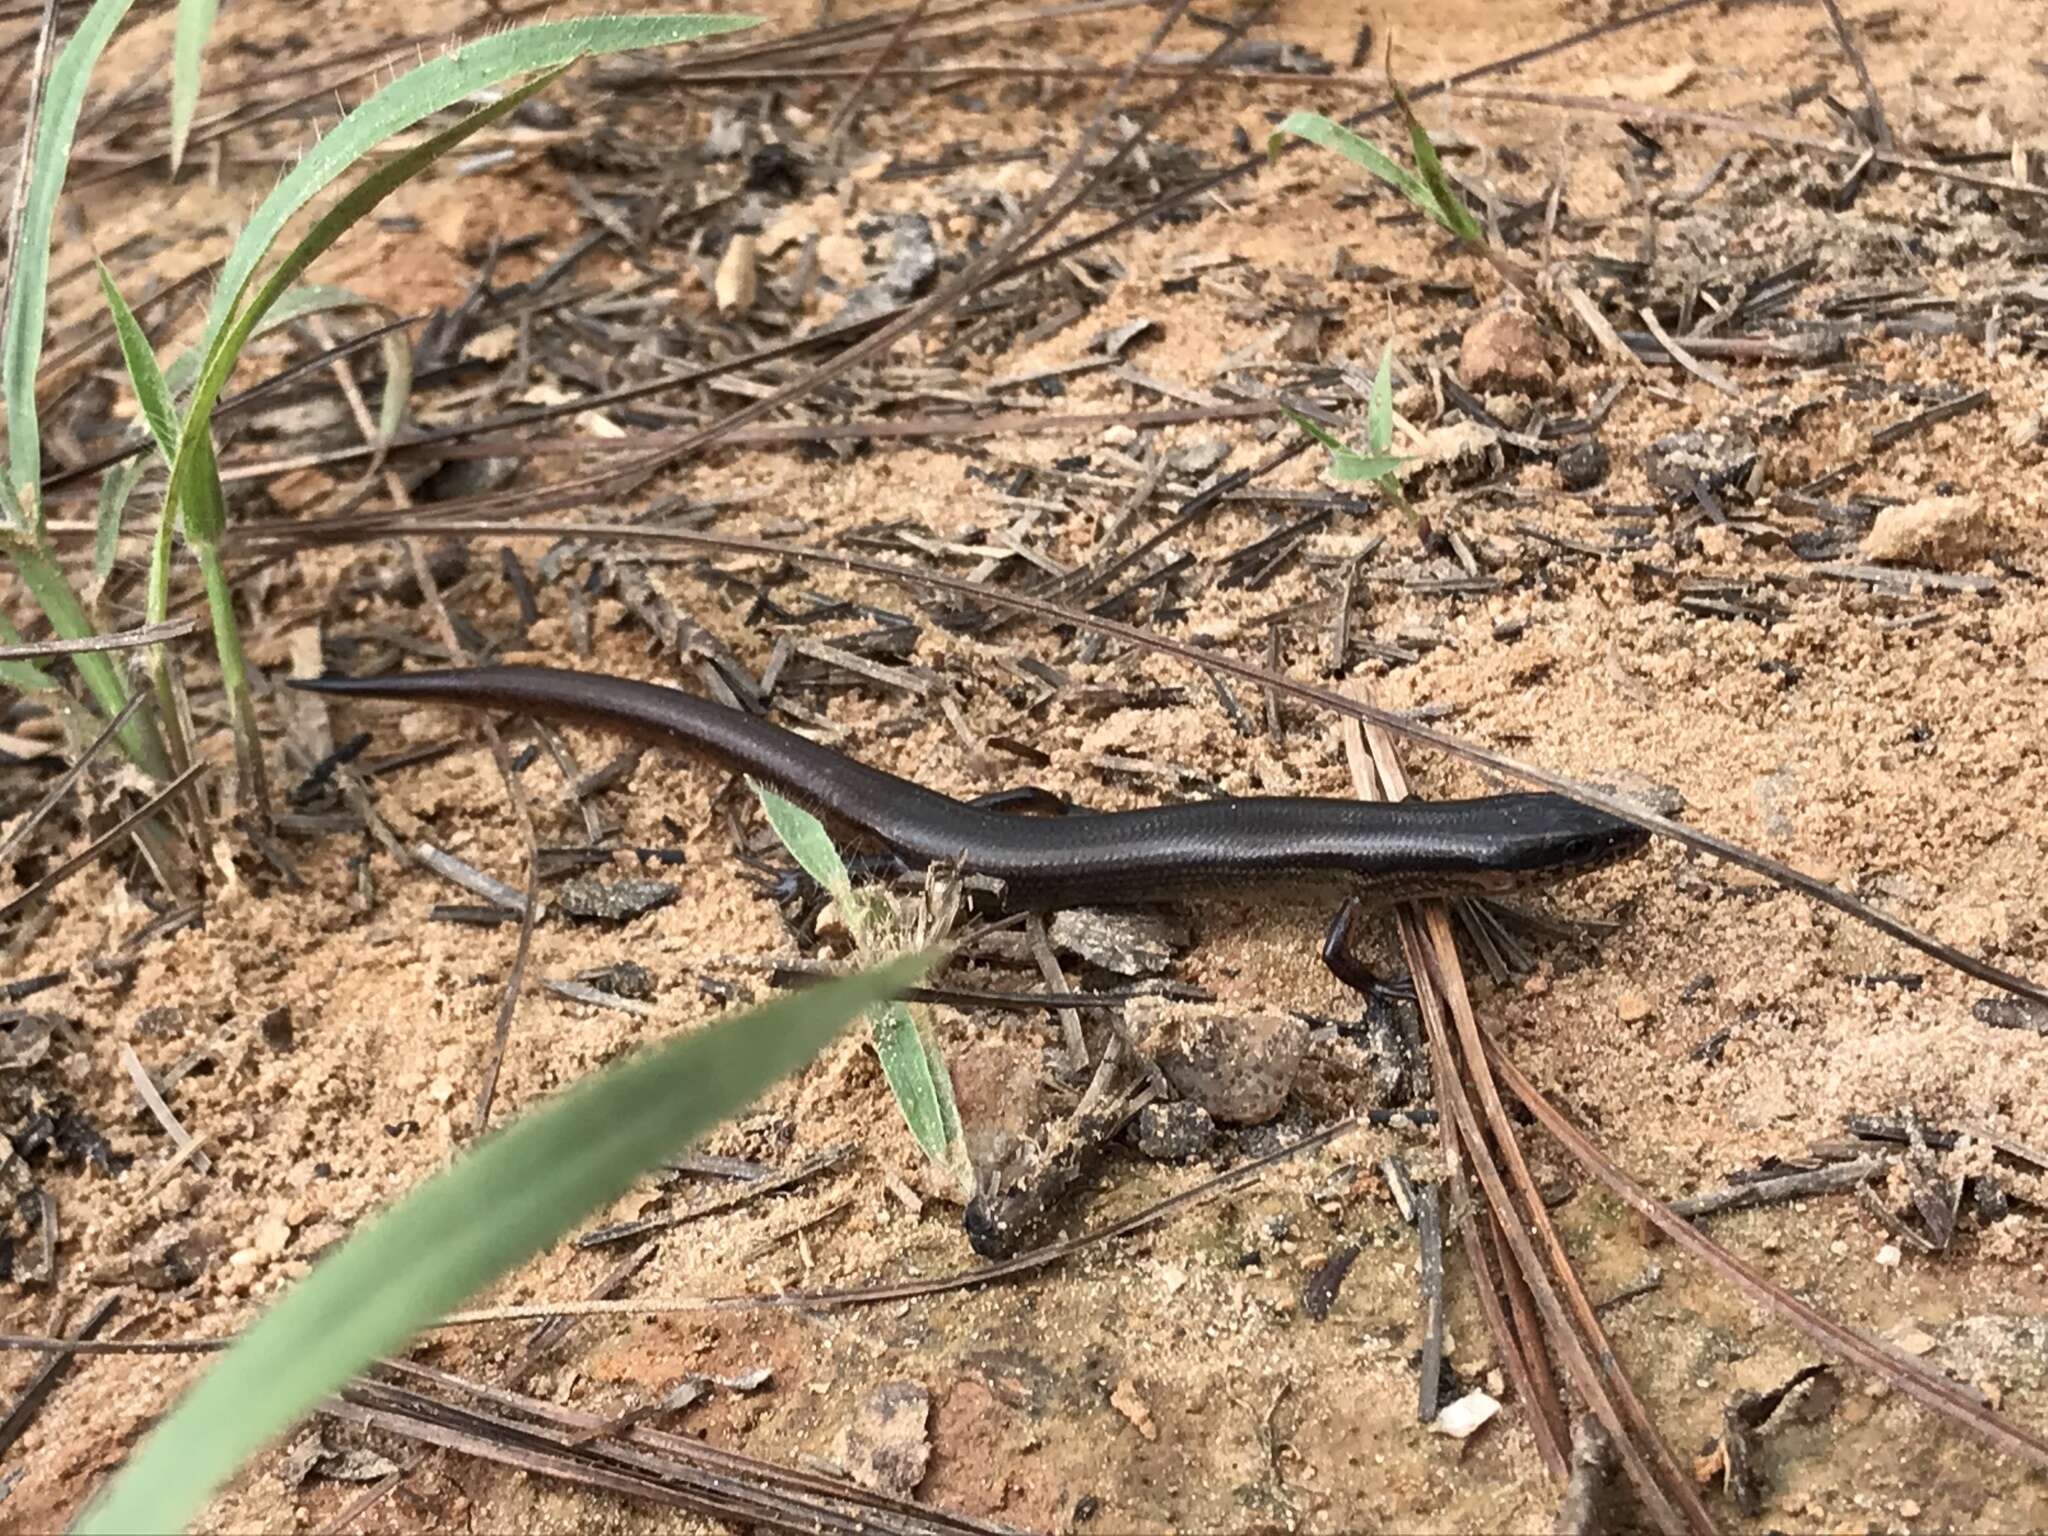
(192, 478)
(1347, 464)
(912, 1063)
(116, 487)
(510, 1197)
(316, 299)
(328, 228)
(921, 1084)
(188, 52)
(1354, 468)
(151, 391)
(807, 841)
(1318, 129)
(397, 387)
(21, 675)
(1379, 405)
(1450, 210)
(435, 85)
(21, 337)
(292, 304)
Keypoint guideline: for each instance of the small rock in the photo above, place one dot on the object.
(171, 1268)
(24, 1046)
(727, 136)
(1888, 1256)
(1197, 458)
(1303, 340)
(1465, 1416)
(1178, 1132)
(1125, 943)
(1913, 1341)
(1583, 465)
(1633, 1007)
(777, 170)
(887, 1448)
(1718, 541)
(738, 278)
(1125, 1400)
(276, 1027)
(272, 1238)
(1713, 460)
(160, 1022)
(296, 1464)
(460, 479)
(1506, 352)
(548, 116)
(1941, 531)
(912, 262)
(625, 978)
(1239, 1067)
(616, 901)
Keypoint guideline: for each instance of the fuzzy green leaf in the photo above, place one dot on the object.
(151, 391)
(1379, 406)
(117, 486)
(1318, 129)
(188, 52)
(1447, 208)
(21, 337)
(432, 87)
(911, 1061)
(806, 839)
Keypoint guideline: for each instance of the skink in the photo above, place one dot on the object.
(1205, 848)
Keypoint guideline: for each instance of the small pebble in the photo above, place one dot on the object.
(1240, 1067)
(1633, 1008)
(1583, 465)
(1505, 352)
(1914, 1341)
(1177, 1132)
(1463, 1417)
(616, 901)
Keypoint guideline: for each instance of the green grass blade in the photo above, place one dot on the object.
(293, 304)
(1379, 405)
(435, 85)
(117, 486)
(922, 1085)
(509, 1198)
(21, 336)
(188, 52)
(151, 391)
(53, 592)
(1316, 430)
(397, 386)
(1318, 129)
(1449, 208)
(914, 1078)
(20, 675)
(911, 1061)
(1348, 464)
(807, 841)
(1355, 468)
(226, 347)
